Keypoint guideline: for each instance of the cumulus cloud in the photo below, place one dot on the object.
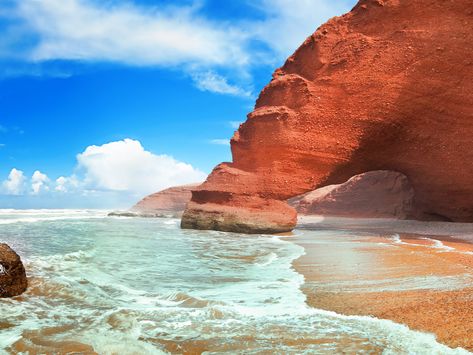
(122, 168)
(67, 184)
(126, 166)
(15, 183)
(39, 182)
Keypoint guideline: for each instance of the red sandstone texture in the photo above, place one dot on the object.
(13, 280)
(376, 194)
(388, 86)
(169, 202)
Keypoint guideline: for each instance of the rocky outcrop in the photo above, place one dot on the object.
(242, 215)
(12, 273)
(170, 202)
(388, 86)
(376, 194)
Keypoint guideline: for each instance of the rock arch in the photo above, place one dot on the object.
(388, 86)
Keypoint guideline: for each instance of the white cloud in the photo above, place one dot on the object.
(167, 35)
(115, 174)
(61, 184)
(15, 184)
(88, 30)
(39, 182)
(210, 81)
(67, 184)
(177, 36)
(220, 141)
(126, 166)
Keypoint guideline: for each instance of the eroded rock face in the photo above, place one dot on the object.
(12, 273)
(169, 202)
(376, 194)
(388, 86)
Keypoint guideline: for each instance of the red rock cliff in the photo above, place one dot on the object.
(388, 86)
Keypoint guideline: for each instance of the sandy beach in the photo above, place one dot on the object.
(416, 273)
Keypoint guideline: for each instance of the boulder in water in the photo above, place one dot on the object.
(13, 280)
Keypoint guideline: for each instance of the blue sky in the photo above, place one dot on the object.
(105, 101)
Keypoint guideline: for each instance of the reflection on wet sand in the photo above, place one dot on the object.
(423, 281)
(41, 342)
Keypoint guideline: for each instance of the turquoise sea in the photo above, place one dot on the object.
(144, 286)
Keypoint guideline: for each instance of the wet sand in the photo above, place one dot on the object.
(415, 273)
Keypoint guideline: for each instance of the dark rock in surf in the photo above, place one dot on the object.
(13, 280)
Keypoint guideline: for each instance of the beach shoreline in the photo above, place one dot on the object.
(415, 273)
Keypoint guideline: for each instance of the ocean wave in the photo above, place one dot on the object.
(396, 239)
(33, 216)
(45, 219)
(50, 211)
(437, 244)
(57, 261)
(267, 259)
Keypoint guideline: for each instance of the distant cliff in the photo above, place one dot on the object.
(388, 86)
(170, 202)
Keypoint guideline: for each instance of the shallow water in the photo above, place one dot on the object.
(144, 286)
(347, 261)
